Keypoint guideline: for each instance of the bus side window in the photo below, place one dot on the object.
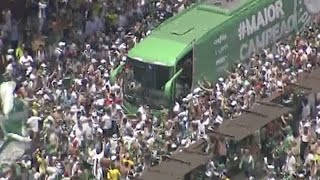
(184, 81)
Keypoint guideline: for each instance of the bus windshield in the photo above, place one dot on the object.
(144, 83)
(150, 75)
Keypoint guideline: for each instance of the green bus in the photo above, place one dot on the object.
(202, 42)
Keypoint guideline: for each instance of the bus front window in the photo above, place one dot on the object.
(145, 82)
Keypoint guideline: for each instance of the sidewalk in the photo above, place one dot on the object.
(12, 151)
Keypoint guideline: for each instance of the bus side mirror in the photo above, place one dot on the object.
(169, 85)
(114, 74)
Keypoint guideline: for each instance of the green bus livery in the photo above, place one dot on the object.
(202, 42)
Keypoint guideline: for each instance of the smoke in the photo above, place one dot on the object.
(313, 6)
(15, 112)
(7, 97)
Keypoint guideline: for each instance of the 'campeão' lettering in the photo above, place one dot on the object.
(268, 36)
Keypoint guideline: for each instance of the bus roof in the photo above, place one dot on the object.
(175, 37)
(155, 50)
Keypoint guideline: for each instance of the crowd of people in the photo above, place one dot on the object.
(290, 145)
(62, 59)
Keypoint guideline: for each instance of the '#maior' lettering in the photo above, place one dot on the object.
(263, 18)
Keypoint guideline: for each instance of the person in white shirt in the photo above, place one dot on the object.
(176, 108)
(291, 163)
(33, 124)
(10, 68)
(184, 121)
(305, 135)
(107, 123)
(78, 132)
(218, 119)
(180, 6)
(89, 130)
(96, 155)
(309, 158)
(40, 56)
(202, 124)
(113, 144)
(143, 113)
(206, 117)
(318, 120)
(221, 85)
(26, 60)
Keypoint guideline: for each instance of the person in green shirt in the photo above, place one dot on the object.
(287, 130)
(269, 146)
(287, 143)
(247, 163)
(112, 19)
(285, 125)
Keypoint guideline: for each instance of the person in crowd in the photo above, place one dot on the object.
(247, 163)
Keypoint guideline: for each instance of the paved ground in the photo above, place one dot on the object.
(12, 151)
